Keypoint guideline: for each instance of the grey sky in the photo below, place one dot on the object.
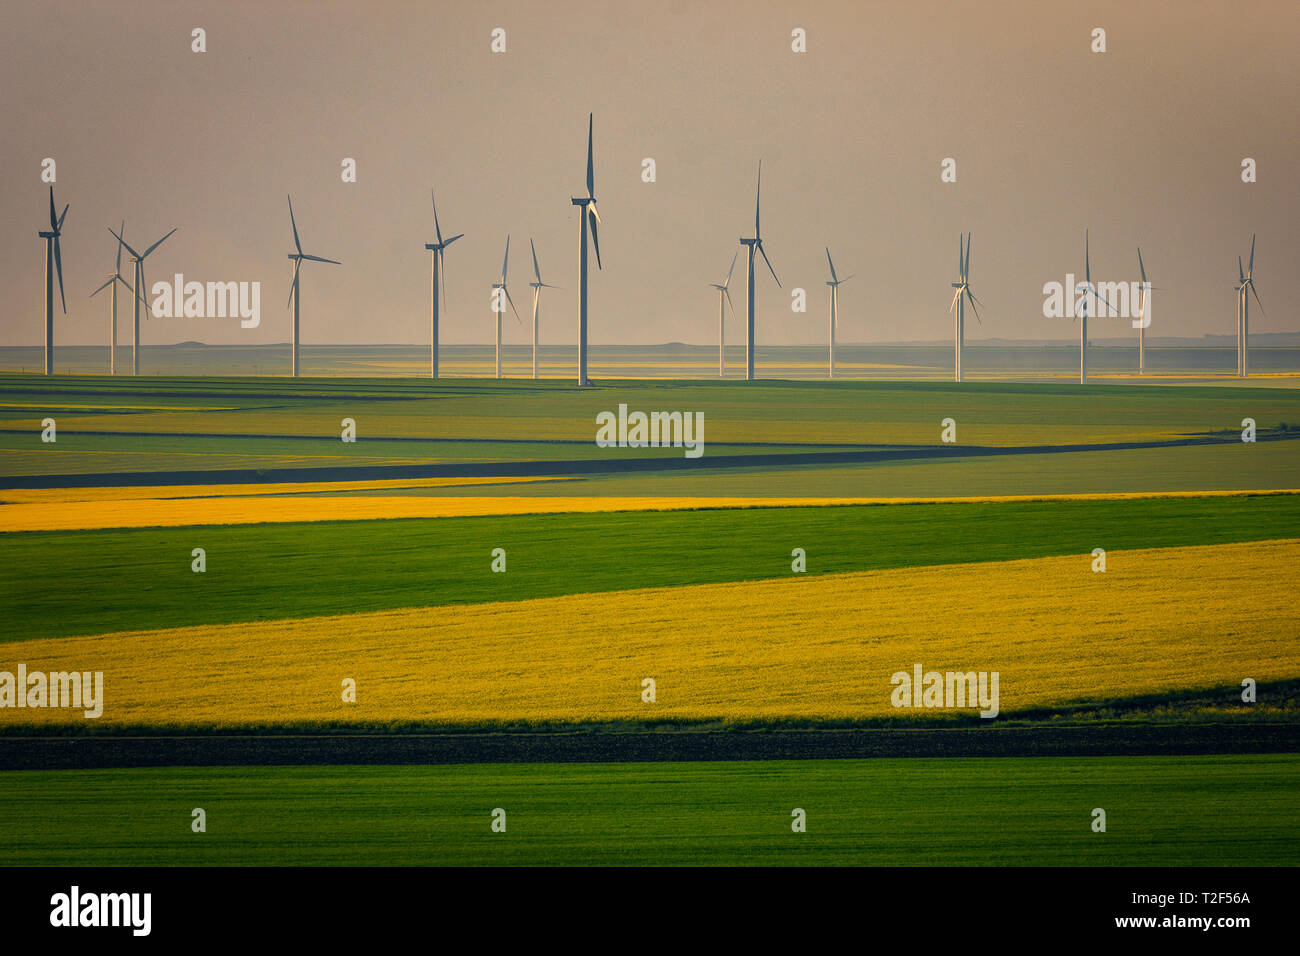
(1142, 144)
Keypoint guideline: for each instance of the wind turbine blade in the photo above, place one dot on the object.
(158, 243)
(62, 216)
(591, 168)
(972, 301)
(58, 265)
(436, 228)
(732, 269)
(442, 263)
(54, 223)
(537, 270)
(952, 307)
(758, 199)
(972, 295)
(1241, 274)
(103, 287)
(1087, 262)
(125, 243)
(966, 269)
(848, 277)
(595, 237)
(1250, 268)
(505, 263)
(727, 293)
(1141, 268)
(511, 301)
(459, 235)
(1252, 292)
(769, 265)
(297, 264)
(591, 207)
(294, 224)
(333, 262)
(119, 249)
(125, 284)
(144, 285)
(834, 277)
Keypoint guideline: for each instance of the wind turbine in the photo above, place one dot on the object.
(295, 290)
(835, 301)
(724, 293)
(137, 294)
(1246, 284)
(498, 306)
(958, 308)
(537, 287)
(438, 252)
(1142, 309)
(53, 264)
(114, 278)
(752, 244)
(1081, 311)
(590, 217)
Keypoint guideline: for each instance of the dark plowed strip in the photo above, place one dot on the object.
(49, 753)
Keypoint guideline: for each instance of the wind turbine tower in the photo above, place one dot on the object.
(752, 244)
(437, 251)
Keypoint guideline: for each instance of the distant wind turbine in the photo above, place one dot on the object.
(137, 294)
(1081, 310)
(53, 264)
(958, 308)
(438, 251)
(835, 301)
(114, 278)
(1145, 288)
(724, 293)
(295, 289)
(1245, 284)
(755, 243)
(590, 219)
(537, 287)
(498, 306)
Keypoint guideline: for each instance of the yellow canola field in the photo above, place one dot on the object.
(64, 510)
(814, 647)
(58, 496)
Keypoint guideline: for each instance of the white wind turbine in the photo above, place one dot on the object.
(295, 290)
(1081, 309)
(590, 218)
(137, 294)
(755, 243)
(114, 278)
(724, 293)
(1143, 291)
(835, 301)
(1245, 285)
(537, 288)
(53, 265)
(960, 297)
(498, 291)
(438, 252)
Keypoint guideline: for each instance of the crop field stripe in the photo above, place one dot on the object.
(129, 580)
(74, 513)
(1157, 620)
(1161, 811)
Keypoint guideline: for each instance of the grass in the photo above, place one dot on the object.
(821, 648)
(54, 584)
(1160, 811)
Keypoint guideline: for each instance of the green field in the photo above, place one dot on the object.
(98, 582)
(1176, 811)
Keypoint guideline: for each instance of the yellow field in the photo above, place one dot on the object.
(1158, 620)
(97, 508)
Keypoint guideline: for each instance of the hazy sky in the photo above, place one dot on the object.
(1142, 144)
